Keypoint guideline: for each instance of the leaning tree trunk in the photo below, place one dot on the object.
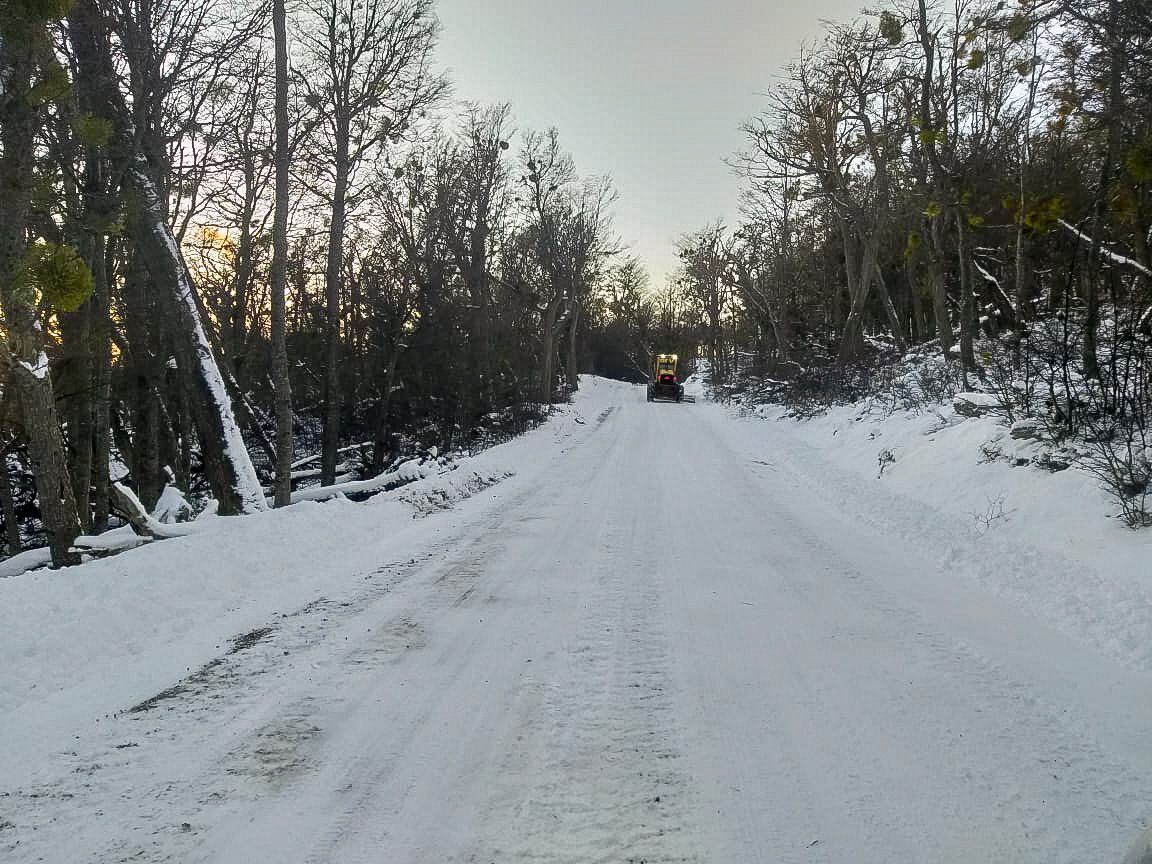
(890, 312)
(227, 465)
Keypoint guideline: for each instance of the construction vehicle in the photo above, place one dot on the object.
(665, 382)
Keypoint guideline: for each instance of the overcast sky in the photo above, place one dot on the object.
(651, 92)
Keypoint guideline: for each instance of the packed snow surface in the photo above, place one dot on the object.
(673, 635)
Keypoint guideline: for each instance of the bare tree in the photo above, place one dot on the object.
(366, 72)
(704, 264)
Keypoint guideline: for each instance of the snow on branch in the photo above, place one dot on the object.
(300, 463)
(405, 472)
(40, 370)
(1113, 256)
(995, 283)
(131, 508)
(245, 481)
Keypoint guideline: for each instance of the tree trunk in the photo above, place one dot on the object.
(889, 309)
(100, 213)
(227, 464)
(967, 304)
(1025, 278)
(381, 443)
(139, 313)
(857, 277)
(548, 346)
(476, 278)
(920, 328)
(939, 289)
(102, 388)
(1100, 206)
(234, 334)
(281, 382)
(8, 507)
(25, 339)
(75, 328)
(782, 324)
(572, 371)
(49, 467)
(332, 292)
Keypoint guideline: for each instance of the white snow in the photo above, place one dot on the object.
(406, 472)
(172, 506)
(160, 523)
(29, 559)
(982, 400)
(1108, 253)
(1055, 554)
(1141, 851)
(40, 369)
(674, 635)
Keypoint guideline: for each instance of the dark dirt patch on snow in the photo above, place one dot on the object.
(207, 675)
(247, 640)
(197, 679)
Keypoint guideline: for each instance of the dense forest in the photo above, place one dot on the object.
(244, 245)
(963, 182)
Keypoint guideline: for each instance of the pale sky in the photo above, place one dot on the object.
(650, 92)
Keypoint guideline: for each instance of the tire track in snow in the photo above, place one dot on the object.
(878, 716)
(382, 779)
(610, 784)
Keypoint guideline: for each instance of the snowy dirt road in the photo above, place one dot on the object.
(676, 642)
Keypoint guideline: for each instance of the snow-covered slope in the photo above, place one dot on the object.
(88, 640)
(675, 635)
(968, 492)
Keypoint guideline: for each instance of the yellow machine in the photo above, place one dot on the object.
(665, 383)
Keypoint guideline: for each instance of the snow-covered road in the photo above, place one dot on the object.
(675, 640)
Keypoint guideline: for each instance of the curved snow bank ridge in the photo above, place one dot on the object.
(961, 487)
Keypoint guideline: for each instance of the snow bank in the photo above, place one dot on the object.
(92, 639)
(999, 509)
